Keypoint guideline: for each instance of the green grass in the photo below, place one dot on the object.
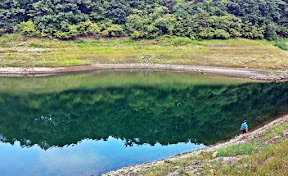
(274, 131)
(242, 53)
(282, 44)
(271, 161)
(6, 38)
(238, 149)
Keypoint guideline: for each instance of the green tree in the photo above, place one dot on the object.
(117, 12)
(271, 32)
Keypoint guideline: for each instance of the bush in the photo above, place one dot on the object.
(43, 33)
(28, 28)
(152, 32)
(282, 46)
(114, 31)
(88, 28)
(137, 34)
(164, 25)
(180, 41)
(93, 29)
(72, 32)
(206, 33)
(253, 31)
(1, 30)
(221, 34)
(282, 31)
(271, 32)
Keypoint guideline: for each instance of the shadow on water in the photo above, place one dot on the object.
(149, 112)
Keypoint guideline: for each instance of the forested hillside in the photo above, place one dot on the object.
(196, 19)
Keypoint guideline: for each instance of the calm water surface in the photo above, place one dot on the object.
(92, 123)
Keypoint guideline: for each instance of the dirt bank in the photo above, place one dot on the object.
(257, 74)
(134, 170)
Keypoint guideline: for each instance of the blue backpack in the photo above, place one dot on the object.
(243, 127)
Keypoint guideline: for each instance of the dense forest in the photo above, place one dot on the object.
(196, 19)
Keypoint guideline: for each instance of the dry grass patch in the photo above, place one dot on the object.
(228, 53)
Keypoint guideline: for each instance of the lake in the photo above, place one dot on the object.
(96, 122)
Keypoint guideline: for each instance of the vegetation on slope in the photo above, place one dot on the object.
(17, 50)
(196, 19)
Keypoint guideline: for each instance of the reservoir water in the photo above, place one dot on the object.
(93, 123)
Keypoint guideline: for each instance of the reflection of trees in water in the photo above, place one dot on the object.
(138, 115)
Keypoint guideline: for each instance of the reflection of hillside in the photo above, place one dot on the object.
(103, 79)
(139, 114)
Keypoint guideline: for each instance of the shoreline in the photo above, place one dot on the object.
(135, 169)
(268, 75)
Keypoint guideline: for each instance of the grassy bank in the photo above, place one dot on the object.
(264, 152)
(19, 51)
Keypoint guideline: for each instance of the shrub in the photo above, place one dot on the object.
(43, 33)
(72, 32)
(282, 31)
(164, 25)
(271, 32)
(93, 29)
(253, 31)
(28, 28)
(206, 33)
(180, 41)
(221, 34)
(114, 30)
(137, 34)
(152, 32)
(282, 46)
(88, 27)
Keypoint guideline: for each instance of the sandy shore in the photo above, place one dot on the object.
(134, 170)
(257, 74)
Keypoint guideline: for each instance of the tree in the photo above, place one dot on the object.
(117, 12)
(148, 18)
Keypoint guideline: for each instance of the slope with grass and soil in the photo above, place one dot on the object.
(26, 55)
(261, 152)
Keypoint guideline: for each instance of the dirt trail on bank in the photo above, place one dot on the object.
(134, 170)
(257, 74)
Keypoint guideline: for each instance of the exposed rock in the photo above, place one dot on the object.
(176, 173)
(227, 160)
(273, 77)
(215, 154)
(285, 134)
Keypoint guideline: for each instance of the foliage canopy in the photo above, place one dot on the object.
(221, 19)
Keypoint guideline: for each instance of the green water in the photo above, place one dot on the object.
(130, 109)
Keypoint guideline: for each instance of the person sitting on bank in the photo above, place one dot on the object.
(244, 127)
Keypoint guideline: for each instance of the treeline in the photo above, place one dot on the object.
(196, 19)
